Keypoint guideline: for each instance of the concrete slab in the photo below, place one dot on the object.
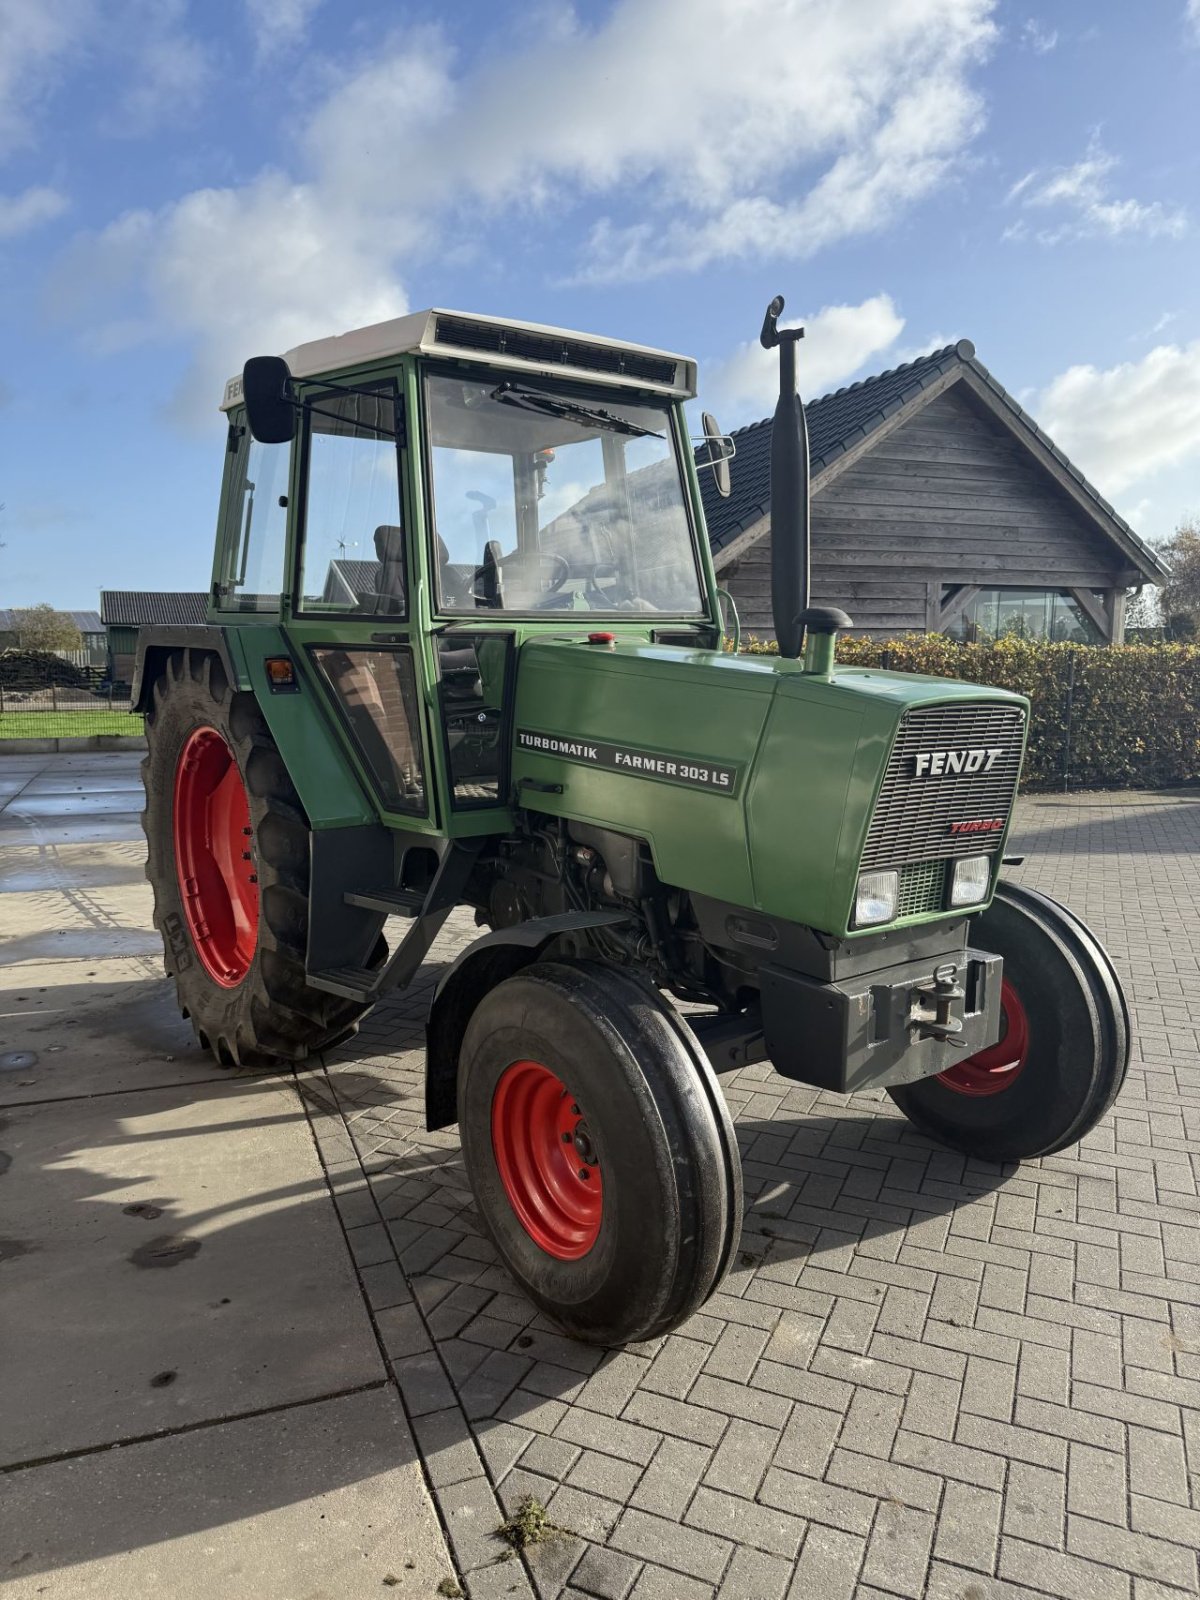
(337, 1502)
(16, 830)
(80, 801)
(95, 1029)
(71, 866)
(232, 1293)
(81, 782)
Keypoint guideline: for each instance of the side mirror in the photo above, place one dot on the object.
(721, 450)
(267, 392)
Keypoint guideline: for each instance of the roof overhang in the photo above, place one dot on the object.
(529, 347)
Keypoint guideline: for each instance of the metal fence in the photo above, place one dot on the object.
(47, 697)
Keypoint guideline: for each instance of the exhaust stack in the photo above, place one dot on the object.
(790, 510)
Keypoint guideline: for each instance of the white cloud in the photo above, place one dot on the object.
(1122, 424)
(36, 36)
(22, 212)
(1036, 36)
(279, 25)
(794, 125)
(1082, 198)
(170, 69)
(1191, 16)
(837, 341)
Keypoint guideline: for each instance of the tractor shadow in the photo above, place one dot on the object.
(319, 1241)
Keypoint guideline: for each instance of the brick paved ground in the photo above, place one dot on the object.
(925, 1375)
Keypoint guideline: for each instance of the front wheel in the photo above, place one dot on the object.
(599, 1149)
(1064, 1040)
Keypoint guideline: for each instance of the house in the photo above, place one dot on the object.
(938, 506)
(93, 642)
(124, 611)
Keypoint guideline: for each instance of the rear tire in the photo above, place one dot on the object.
(1064, 1048)
(243, 987)
(574, 1068)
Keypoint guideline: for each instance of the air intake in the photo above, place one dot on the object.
(550, 350)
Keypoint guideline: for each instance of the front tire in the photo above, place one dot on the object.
(599, 1149)
(227, 857)
(1064, 1046)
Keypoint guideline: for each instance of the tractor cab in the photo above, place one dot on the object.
(439, 489)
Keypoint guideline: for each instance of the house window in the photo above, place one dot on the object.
(1023, 614)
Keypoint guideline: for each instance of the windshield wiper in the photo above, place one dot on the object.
(552, 405)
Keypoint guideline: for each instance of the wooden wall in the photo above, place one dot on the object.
(949, 497)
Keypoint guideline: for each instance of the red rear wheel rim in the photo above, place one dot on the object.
(546, 1161)
(999, 1066)
(213, 860)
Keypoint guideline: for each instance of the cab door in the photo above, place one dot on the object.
(352, 588)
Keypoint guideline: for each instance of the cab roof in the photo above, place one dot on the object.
(464, 336)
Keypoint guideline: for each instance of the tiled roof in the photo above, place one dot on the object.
(132, 608)
(85, 621)
(838, 421)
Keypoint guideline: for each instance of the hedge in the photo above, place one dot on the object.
(1125, 717)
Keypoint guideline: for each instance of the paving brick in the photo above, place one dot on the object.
(601, 1474)
(742, 1457)
(660, 1583)
(1034, 1504)
(733, 1400)
(871, 1423)
(613, 1437)
(1058, 1574)
(953, 1461)
(676, 1367)
(932, 1405)
(754, 1575)
(1166, 1521)
(605, 1574)
(613, 1383)
(807, 1441)
(590, 1516)
(692, 1551)
(968, 1527)
(1021, 1444)
(736, 1353)
(828, 1566)
(697, 1423)
(553, 1458)
(818, 1501)
(1132, 1552)
(1157, 1465)
(447, 1447)
(763, 1527)
(903, 1484)
(670, 1480)
(1096, 1484)
(898, 1550)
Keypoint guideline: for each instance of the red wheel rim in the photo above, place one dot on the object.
(213, 859)
(546, 1161)
(999, 1066)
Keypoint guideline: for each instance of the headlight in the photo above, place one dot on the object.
(969, 885)
(875, 898)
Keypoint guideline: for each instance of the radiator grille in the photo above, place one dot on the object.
(916, 811)
(549, 350)
(922, 889)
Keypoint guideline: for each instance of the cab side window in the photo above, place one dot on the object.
(255, 524)
(354, 551)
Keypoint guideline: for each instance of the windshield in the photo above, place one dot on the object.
(551, 499)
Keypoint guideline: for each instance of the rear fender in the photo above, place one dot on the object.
(480, 967)
(154, 645)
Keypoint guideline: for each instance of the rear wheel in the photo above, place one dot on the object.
(227, 858)
(1064, 1040)
(599, 1149)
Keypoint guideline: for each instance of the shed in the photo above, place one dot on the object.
(939, 506)
(124, 611)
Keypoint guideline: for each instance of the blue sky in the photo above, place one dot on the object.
(183, 185)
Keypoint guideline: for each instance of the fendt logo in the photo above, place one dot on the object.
(936, 763)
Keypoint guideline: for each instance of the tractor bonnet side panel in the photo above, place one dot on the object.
(656, 742)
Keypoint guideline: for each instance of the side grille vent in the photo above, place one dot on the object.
(548, 350)
(937, 788)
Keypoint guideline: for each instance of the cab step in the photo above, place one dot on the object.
(427, 912)
(392, 902)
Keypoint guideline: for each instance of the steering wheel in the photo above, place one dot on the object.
(492, 573)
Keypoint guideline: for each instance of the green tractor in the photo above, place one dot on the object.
(465, 648)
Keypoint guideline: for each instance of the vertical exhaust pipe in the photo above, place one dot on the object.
(791, 538)
(789, 490)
